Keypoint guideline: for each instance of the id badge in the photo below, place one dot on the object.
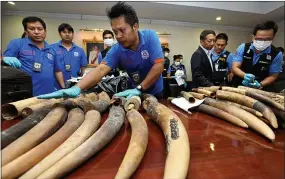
(67, 67)
(37, 67)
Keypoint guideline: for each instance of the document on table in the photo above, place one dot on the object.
(185, 105)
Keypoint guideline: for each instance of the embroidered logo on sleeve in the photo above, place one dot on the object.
(145, 54)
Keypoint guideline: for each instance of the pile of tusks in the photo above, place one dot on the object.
(56, 136)
(242, 106)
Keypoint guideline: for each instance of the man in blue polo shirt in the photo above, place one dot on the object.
(259, 63)
(34, 56)
(72, 57)
(138, 52)
(222, 60)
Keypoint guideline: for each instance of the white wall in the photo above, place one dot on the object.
(183, 40)
(279, 39)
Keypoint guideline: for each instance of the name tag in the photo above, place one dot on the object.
(67, 67)
(37, 67)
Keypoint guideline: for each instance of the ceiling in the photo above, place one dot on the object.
(159, 11)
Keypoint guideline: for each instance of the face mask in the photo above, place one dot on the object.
(177, 63)
(261, 45)
(108, 42)
(166, 54)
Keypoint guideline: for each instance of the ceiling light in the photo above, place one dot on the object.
(96, 30)
(218, 18)
(11, 2)
(162, 33)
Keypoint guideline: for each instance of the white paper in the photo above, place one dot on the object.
(186, 105)
(180, 81)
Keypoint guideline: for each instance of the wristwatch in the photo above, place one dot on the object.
(139, 87)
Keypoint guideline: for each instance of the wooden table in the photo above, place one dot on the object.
(219, 150)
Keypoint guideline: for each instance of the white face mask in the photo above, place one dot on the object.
(108, 42)
(177, 63)
(261, 45)
(166, 54)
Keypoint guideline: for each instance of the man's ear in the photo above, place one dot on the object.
(252, 38)
(136, 27)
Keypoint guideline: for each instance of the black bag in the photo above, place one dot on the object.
(111, 85)
(16, 84)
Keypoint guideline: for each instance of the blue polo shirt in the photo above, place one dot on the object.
(229, 60)
(276, 65)
(138, 63)
(27, 53)
(75, 58)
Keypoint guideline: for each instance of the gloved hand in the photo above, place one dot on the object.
(69, 93)
(249, 77)
(12, 61)
(129, 93)
(255, 84)
(245, 83)
(185, 85)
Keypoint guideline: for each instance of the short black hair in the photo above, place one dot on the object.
(32, 19)
(179, 56)
(64, 26)
(266, 25)
(166, 49)
(222, 36)
(280, 49)
(107, 32)
(175, 57)
(205, 33)
(23, 35)
(123, 9)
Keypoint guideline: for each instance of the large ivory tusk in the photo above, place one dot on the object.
(249, 102)
(251, 120)
(46, 104)
(26, 161)
(221, 114)
(277, 98)
(11, 134)
(88, 127)
(91, 146)
(205, 92)
(211, 88)
(252, 111)
(137, 145)
(197, 95)
(265, 99)
(176, 137)
(50, 124)
(13, 110)
(189, 97)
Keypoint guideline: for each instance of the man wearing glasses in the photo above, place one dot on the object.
(201, 62)
(258, 64)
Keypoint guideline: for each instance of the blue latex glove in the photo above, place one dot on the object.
(249, 77)
(129, 93)
(245, 83)
(12, 61)
(64, 93)
(255, 84)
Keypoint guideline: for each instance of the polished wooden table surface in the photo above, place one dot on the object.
(219, 150)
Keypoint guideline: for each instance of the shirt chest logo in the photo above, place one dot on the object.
(49, 56)
(145, 54)
(76, 54)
